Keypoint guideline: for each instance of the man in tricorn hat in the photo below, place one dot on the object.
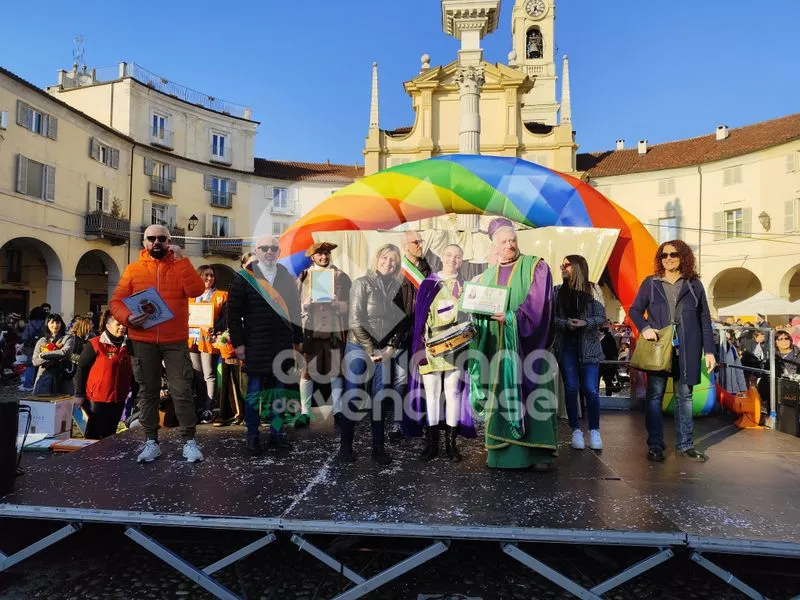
(518, 398)
(324, 295)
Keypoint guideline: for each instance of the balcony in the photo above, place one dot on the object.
(222, 246)
(177, 234)
(161, 186)
(100, 225)
(222, 199)
(223, 158)
(284, 207)
(163, 138)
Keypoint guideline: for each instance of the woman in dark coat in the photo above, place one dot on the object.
(674, 294)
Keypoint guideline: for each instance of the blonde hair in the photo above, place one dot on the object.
(82, 327)
(385, 249)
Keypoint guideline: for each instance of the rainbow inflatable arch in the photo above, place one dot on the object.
(524, 192)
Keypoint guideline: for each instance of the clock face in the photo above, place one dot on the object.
(536, 8)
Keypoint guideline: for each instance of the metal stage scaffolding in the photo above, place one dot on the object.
(740, 502)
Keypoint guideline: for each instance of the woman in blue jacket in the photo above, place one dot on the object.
(674, 294)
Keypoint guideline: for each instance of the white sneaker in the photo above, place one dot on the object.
(595, 442)
(24, 388)
(577, 440)
(150, 452)
(191, 451)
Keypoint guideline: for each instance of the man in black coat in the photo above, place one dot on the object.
(610, 352)
(264, 324)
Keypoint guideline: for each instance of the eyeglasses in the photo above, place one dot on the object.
(160, 238)
(669, 255)
(269, 248)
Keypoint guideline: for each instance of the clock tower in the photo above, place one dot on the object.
(533, 32)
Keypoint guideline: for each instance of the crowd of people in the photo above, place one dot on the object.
(397, 346)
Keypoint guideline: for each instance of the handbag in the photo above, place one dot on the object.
(654, 356)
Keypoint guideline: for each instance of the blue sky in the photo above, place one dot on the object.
(639, 69)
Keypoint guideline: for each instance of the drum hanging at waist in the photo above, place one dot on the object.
(451, 340)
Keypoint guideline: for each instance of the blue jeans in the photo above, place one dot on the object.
(580, 377)
(363, 377)
(654, 415)
(400, 375)
(29, 376)
(252, 415)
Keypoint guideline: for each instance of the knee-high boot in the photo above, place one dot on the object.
(450, 447)
(431, 449)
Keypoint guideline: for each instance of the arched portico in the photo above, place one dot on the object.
(96, 276)
(34, 274)
(733, 285)
(790, 284)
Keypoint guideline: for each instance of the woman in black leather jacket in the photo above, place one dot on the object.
(374, 316)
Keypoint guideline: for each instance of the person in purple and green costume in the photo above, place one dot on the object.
(517, 395)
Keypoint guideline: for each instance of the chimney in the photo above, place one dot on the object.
(62, 78)
(722, 132)
(248, 113)
(122, 70)
(620, 144)
(643, 146)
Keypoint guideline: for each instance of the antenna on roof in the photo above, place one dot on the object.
(78, 50)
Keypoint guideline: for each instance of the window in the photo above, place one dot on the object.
(278, 227)
(667, 229)
(280, 197)
(98, 198)
(158, 214)
(219, 226)
(36, 121)
(160, 133)
(220, 150)
(35, 179)
(734, 223)
(162, 175)
(791, 215)
(222, 190)
(103, 153)
(14, 263)
(666, 187)
(4, 119)
(732, 176)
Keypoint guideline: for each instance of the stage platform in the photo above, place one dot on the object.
(742, 501)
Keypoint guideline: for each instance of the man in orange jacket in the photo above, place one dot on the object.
(163, 267)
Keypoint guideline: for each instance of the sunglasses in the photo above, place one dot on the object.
(784, 338)
(669, 255)
(160, 238)
(566, 265)
(416, 242)
(269, 248)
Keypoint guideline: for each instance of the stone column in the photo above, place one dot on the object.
(470, 79)
(61, 296)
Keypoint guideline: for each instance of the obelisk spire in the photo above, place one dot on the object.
(566, 106)
(374, 120)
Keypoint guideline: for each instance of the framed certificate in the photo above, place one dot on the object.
(201, 314)
(149, 302)
(483, 299)
(322, 285)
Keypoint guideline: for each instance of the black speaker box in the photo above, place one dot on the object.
(9, 418)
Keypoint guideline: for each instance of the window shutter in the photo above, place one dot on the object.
(208, 182)
(718, 225)
(230, 227)
(209, 219)
(106, 200)
(147, 212)
(726, 177)
(232, 186)
(22, 174)
(269, 192)
(292, 194)
(52, 127)
(114, 158)
(22, 114)
(149, 165)
(94, 148)
(747, 222)
(50, 179)
(679, 228)
(171, 172)
(172, 216)
(91, 195)
(791, 162)
(789, 218)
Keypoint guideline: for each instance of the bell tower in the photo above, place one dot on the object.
(533, 32)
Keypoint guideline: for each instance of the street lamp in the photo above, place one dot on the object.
(765, 220)
(192, 222)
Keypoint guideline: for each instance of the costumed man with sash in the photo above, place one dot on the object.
(263, 320)
(324, 322)
(414, 269)
(438, 387)
(517, 395)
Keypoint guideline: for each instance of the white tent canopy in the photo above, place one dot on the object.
(762, 303)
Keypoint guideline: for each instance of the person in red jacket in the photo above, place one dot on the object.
(103, 378)
(162, 267)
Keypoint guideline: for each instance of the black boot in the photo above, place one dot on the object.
(431, 449)
(450, 444)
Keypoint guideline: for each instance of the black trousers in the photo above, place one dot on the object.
(103, 418)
